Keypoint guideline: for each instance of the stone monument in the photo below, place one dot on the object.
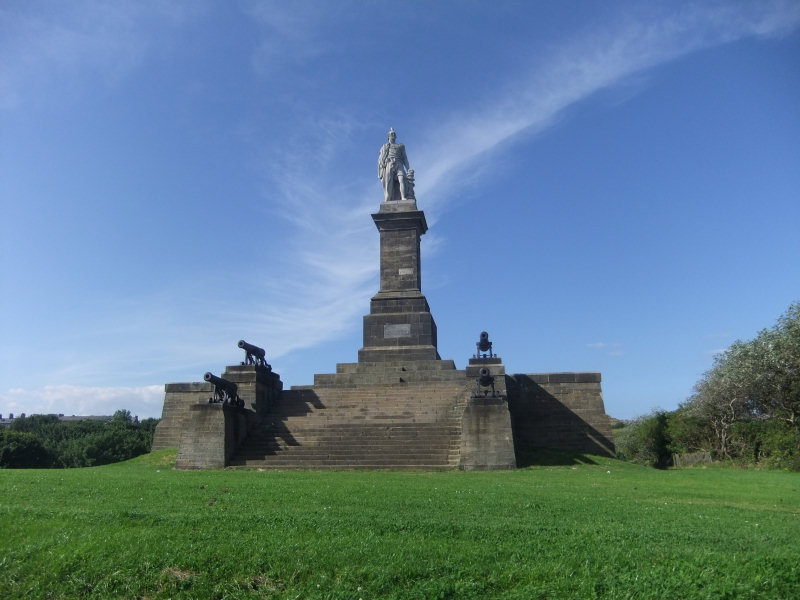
(401, 405)
(400, 324)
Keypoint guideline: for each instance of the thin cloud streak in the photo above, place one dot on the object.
(338, 271)
(328, 272)
(577, 71)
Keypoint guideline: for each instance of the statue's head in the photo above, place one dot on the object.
(392, 136)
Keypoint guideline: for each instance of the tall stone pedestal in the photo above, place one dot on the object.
(259, 388)
(487, 441)
(178, 400)
(213, 433)
(400, 325)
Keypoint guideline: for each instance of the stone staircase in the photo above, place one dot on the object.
(389, 415)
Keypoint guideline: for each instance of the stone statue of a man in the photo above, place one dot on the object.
(392, 169)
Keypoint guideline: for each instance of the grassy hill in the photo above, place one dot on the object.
(595, 528)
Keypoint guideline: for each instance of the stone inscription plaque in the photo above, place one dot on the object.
(406, 271)
(391, 331)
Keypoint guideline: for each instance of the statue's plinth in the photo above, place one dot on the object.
(400, 325)
(487, 440)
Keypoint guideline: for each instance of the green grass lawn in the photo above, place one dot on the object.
(610, 529)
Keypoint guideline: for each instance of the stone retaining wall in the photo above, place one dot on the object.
(563, 411)
(212, 435)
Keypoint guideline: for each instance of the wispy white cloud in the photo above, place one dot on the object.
(44, 47)
(328, 270)
(715, 352)
(577, 70)
(145, 401)
(609, 349)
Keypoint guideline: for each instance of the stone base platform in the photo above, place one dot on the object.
(404, 414)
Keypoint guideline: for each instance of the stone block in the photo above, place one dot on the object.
(563, 411)
(487, 441)
(211, 435)
(178, 398)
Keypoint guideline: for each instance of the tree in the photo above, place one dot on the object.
(82, 443)
(22, 450)
(688, 432)
(746, 407)
(721, 396)
(776, 382)
(645, 441)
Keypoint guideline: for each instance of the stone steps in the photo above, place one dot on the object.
(353, 444)
(322, 420)
(388, 379)
(315, 437)
(269, 444)
(340, 465)
(364, 407)
(378, 454)
(421, 365)
(408, 445)
(389, 374)
(353, 431)
(388, 458)
(362, 416)
(349, 452)
(354, 454)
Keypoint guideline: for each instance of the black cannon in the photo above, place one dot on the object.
(253, 355)
(484, 346)
(224, 391)
(485, 379)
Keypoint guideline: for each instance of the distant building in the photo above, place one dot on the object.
(5, 422)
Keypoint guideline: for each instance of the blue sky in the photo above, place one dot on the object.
(610, 187)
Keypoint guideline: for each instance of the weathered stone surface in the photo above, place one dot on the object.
(400, 325)
(212, 435)
(178, 399)
(564, 411)
(383, 414)
(258, 387)
(487, 441)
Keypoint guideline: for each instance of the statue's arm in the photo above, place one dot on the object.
(382, 162)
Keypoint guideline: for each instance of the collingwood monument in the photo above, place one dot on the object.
(401, 405)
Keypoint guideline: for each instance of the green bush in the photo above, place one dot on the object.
(22, 450)
(689, 433)
(45, 441)
(645, 441)
(769, 444)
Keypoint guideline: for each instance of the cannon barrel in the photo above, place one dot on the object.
(485, 377)
(221, 383)
(224, 391)
(251, 349)
(484, 344)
